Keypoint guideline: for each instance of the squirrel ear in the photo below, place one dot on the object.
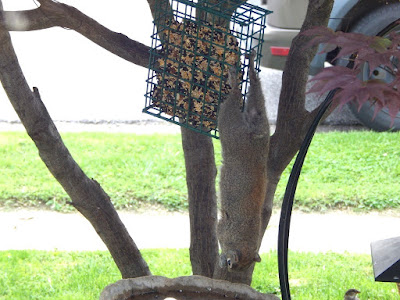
(257, 258)
(235, 256)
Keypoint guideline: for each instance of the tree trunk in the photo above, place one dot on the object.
(200, 178)
(293, 119)
(86, 194)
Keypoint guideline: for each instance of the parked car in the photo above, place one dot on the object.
(370, 17)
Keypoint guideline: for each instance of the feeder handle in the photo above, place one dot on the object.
(287, 203)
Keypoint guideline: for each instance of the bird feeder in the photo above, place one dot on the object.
(386, 259)
(194, 44)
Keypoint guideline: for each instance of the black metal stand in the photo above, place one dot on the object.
(287, 204)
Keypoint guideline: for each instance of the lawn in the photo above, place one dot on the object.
(82, 275)
(360, 170)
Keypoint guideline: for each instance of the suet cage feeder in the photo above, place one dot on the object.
(194, 44)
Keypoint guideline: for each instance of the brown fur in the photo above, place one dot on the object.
(245, 141)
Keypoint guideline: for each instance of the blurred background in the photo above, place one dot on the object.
(81, 82)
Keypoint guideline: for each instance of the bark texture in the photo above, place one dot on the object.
(201, 172)
(182, 288)
(85, 193)
(200, 178)
(293, 119)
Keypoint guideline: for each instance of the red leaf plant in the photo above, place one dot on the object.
(359, 50)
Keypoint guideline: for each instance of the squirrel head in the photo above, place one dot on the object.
(233, 260)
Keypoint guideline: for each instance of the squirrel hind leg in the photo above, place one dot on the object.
(252, 72)
(234, 95)
(256, 118)
(232, 78)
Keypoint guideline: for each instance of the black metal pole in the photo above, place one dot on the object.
(287, 204)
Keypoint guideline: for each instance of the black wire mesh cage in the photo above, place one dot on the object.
(194, 44)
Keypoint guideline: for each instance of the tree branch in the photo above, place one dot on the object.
(52, 14)
(293, 119)
(200, 178)
(86, 194)
(203, 211)
(161, 11)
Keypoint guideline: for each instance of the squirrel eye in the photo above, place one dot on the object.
(228, 261)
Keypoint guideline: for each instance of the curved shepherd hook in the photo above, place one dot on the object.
(287, 204)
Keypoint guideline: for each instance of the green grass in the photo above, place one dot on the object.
(82, 275)
(360, 170)
(356, 169)
(133, 169)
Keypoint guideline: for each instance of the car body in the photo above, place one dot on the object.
(348, 16)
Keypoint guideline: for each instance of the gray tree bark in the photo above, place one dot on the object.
(293, 119)
(188, 287)
(200, 177)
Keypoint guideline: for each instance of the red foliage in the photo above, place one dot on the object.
(359, 49)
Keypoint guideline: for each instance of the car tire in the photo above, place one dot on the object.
(376, 23)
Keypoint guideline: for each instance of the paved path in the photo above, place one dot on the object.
(335, 231)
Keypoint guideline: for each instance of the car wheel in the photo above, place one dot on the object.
(380, 22)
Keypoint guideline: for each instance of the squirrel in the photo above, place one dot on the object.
(245, 141)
